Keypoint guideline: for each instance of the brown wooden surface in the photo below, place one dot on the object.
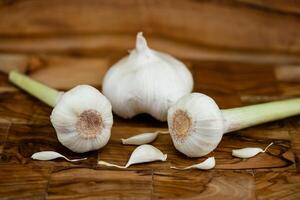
(240, 52)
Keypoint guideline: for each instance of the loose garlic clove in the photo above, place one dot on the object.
(143, 138)
(50, 155)
(146, 81)
(142, 154)
(209, 163)
(140, 139)
(249, 151)
(82, 119)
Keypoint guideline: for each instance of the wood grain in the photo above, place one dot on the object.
(240, 53)
(202, 22)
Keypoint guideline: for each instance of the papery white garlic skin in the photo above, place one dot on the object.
(140, 139)
(146, 153)
(50, 155)
(146, 81)
(82, 119)
(246, 152)
(207, 164)
(195, 125)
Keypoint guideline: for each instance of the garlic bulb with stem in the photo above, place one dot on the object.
(82, 116)
(143, 138)
(142, 154)
(196, 124)
(146, 81)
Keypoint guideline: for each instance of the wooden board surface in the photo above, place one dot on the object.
(25, 129)
(256, 62)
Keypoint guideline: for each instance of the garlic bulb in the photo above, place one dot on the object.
(196, 124)
(143, 138)
(50, 155)
(82, 119)
(209, 163)
(249, 151)
(146, 81)
(82, 116)
(142, 154)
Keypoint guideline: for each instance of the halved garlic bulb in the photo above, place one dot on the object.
(146, 81)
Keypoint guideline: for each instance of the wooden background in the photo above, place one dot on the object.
(240, 52)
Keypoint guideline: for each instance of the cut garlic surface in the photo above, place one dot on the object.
(51, 155)
(143, 138)
(209, 163)
(249, 151)
(142, 154)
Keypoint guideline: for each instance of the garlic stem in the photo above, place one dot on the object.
(247, 116)
(44, 93)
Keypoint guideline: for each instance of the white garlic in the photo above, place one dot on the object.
(50, 155)
(209, 163)
(195, 125)
(146, 81)
(143, 138)
(249, 151)
(142, 154)
(82, 119)
(82, 116)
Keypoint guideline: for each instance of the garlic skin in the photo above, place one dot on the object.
(82, 119)
(50, 155)
(207, 164)
(142, 154)
(146, 81)
(195, 125)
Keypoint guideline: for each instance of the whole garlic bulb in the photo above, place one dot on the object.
(82, 119)
(195, 125)
(146, 81)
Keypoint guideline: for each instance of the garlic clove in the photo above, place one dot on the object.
(209, 163)
(146, 153)
(249, 151)
(51, 155)
(82, 119)
(195, 125)
(142, 154)
(146, 81)
(143, 138)
(140, 139)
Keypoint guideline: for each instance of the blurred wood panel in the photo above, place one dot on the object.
(271, 26)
